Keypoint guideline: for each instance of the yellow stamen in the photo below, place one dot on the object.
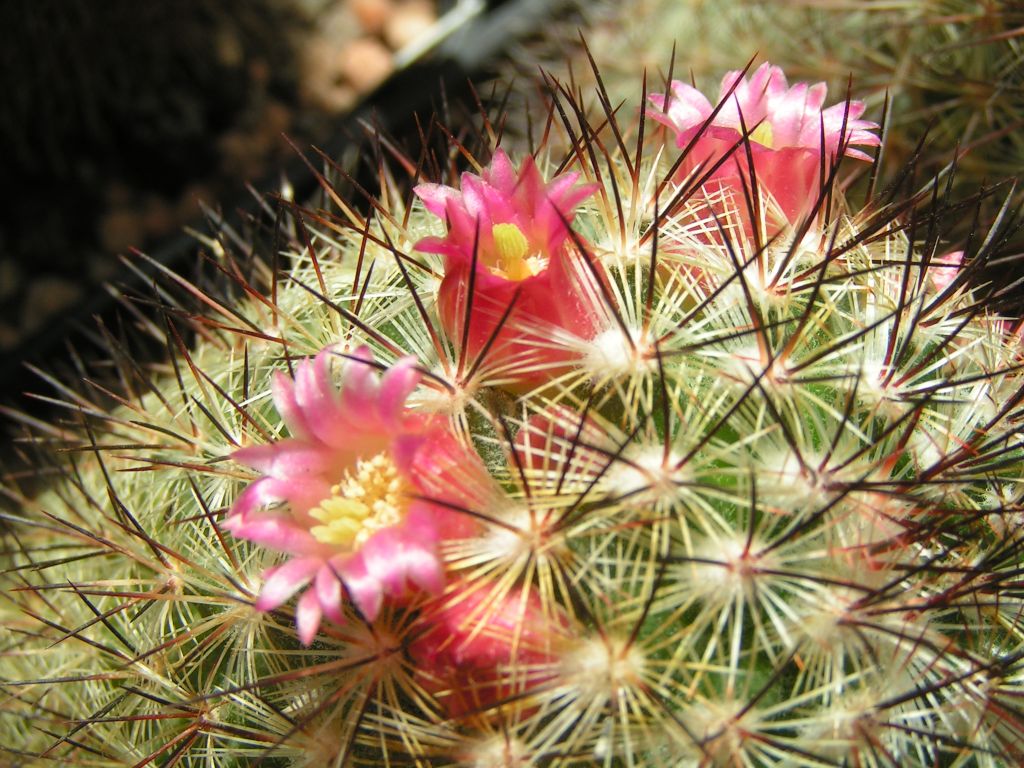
(342, 518)
(371, 497)
(512, 247)
(763, 134)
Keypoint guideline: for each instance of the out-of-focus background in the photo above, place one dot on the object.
(121, 117)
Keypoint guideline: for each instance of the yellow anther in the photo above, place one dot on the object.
(367, 499)
(762, 134)
(512, 260)
(343, 520)
(510, 241)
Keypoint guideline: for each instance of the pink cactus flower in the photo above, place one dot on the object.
(517, 225)
(478, 648)
(785, 125)
(344, 495)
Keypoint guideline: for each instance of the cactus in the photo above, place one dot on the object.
(722, 480)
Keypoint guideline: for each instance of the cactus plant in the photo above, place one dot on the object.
(753, 500)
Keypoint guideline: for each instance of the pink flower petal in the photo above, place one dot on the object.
(529, 190)
(435, 197)
(394, 558)
(775, 83)
(285, 459)
(423, 569)
(256, 495)
(464, 227)
(436, 245)
(501, 174)
(278, 533)
(816, 97)
(285, 580)
(359, 395)
(395, 386)
(366, 591)
(307, 617)
(688, 107)
(382, 557)
(301, 493)
(788, 117)
(282, 389)
(328, 586)
(351, 413)
(317, 395)
(857, 131)
(474, 199)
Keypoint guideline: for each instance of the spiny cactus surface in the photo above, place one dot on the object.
(653, 453)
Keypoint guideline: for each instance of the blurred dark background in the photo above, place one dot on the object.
(122, 118)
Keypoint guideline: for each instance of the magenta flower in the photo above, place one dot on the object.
(518, 226)
(785, 126)
(343, 495)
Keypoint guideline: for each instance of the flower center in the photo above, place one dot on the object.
(510, 259)
(368, 498)
(762, 134)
